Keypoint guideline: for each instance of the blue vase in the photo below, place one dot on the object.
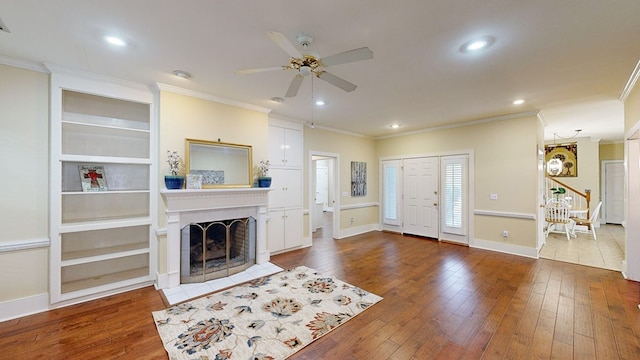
(264, 181)
(173, 182)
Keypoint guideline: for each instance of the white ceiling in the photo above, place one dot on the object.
(568, 59)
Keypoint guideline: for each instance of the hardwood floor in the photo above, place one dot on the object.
(441, 301)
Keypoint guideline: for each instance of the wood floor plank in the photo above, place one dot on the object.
(441, 301)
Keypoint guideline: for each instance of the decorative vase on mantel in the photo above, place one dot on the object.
(174, 182)
(264, 181)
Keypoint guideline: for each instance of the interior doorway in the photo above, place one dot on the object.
(324, 190)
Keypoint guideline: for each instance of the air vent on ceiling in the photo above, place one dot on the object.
(4, 27)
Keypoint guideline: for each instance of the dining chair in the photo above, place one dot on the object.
(557, 213)
(589, 223)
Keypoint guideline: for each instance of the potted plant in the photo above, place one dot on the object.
(558, 191)
(263, 171)
(175, 180)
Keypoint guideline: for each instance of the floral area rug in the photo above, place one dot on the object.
(268, 318)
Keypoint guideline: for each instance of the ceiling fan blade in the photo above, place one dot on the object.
(284, 44)
(294, 86)
(348, 56)
(336, 81)
(259, 70)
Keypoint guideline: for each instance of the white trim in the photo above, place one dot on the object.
(506, 248)
(463, 124)
(98, 82)
(336, 191)
(18, 245)
(630, 83)
(23, 64)
(357, 230)
(209, 97)
(360, 206)
(29, 305)
(505, 214)
(431, 154)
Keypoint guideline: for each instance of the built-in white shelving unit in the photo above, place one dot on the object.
(285, 198)
(101, 240)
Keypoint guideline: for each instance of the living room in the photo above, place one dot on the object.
(504, 150)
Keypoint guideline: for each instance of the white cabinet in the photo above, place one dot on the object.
(100, 235)
(285, 199)
(284, 229)
(286, 185)
(285, 146)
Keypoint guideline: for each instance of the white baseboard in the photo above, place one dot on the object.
(358, 230)
(30, 305)
(506, 248)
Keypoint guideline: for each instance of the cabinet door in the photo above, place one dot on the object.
(276, 146)
(293, 228)
(275, 231)
(293, 151)
(287, 188)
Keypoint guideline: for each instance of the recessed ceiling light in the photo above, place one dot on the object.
(477, 44)
(277, 99)
(319, 102)
(113, 40)
(181, 74)
(518, 102)
(395, 126)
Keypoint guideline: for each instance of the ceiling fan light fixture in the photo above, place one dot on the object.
(305, 70)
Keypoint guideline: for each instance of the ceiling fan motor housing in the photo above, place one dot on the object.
(304, 39)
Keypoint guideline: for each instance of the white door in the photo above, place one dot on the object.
(614, 192)
(421, 196)
(322, 186)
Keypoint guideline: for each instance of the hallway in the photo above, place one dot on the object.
(607, 252)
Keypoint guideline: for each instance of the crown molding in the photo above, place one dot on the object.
(23, 64)
(465, 124)
(631, 82)
(209, 97)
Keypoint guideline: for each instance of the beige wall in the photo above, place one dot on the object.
(349, 148)
(24, 180)
(183, 117)
(505, 155)
(611, 151)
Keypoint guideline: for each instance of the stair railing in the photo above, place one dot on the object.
(577, 199)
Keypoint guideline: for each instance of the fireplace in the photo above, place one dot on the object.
(207, 206)
(217, 249)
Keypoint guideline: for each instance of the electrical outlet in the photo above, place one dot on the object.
(352, 221)
(505, 233)
(493, 196)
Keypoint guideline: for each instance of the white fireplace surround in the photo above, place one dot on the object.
(194, 206)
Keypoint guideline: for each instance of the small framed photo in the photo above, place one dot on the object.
(194, 181)
(93, 178)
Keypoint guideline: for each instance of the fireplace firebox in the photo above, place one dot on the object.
(217, 249)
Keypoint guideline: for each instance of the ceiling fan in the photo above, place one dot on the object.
(308, 63)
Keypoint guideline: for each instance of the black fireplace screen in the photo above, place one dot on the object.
(216, 249)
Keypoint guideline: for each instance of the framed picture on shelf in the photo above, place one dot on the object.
(93, 178)
(194, 181)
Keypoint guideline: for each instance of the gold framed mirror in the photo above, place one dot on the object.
(220, 164)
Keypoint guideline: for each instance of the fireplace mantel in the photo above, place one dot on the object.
(188, 206)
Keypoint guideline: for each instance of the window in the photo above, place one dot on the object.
(454, 196)
(391, 192)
